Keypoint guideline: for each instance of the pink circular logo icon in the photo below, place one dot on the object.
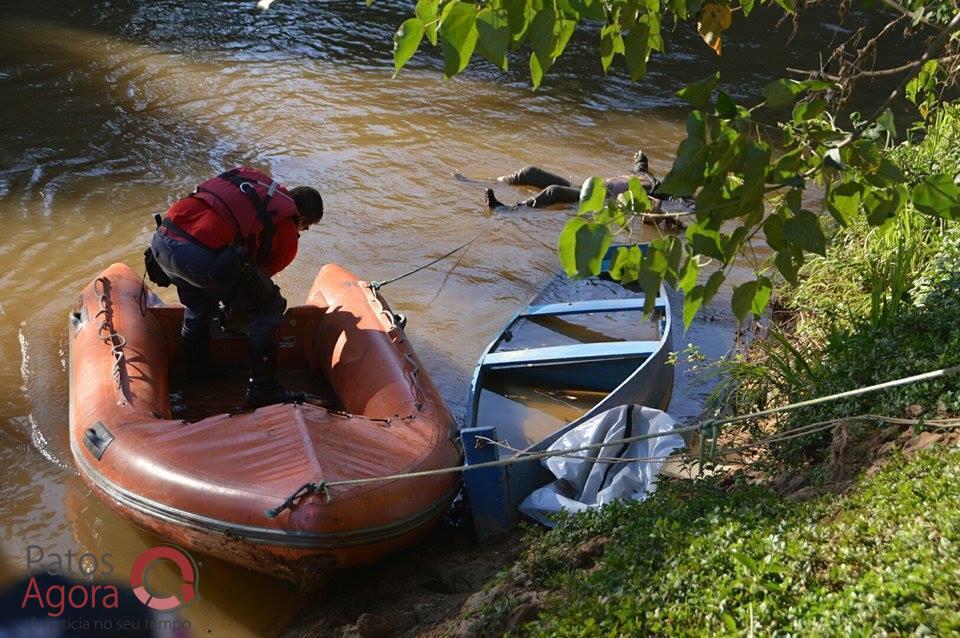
(188, 577)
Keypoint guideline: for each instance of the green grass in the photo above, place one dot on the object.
(697, 559)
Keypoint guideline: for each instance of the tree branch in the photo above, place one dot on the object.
(904, 11)
(932, 49)
(870, 74)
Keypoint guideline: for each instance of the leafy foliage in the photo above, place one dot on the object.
(700, 559)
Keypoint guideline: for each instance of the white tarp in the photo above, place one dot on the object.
(583, 483)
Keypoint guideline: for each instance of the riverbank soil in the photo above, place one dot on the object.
(415, 593)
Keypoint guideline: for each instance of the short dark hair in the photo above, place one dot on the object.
(308, 202)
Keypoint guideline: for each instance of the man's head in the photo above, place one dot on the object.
(640, 163)
(310, 205)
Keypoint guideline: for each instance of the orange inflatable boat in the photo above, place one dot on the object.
(247, 486)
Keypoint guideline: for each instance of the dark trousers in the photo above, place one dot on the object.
(189, 266)
(556, 189)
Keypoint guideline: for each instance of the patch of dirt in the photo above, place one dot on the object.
(858, 447)
(415, 593)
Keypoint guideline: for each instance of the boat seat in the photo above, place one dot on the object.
(594, 305)
(579, 353)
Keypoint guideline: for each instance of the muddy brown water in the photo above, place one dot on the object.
(109, 112)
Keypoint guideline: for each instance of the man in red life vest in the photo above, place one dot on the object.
(223, 243)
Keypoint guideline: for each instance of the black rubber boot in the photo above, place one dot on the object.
(196, 356)
(492, 201)
(264, 389)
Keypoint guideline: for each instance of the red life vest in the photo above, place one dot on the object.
(253, 203)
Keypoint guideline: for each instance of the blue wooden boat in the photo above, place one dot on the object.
(579, 348)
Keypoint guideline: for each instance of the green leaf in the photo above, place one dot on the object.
(728, 620)
(882, 204)
(688, 167)
(458, 36)
(548, 35)
(692, 301)
(889, 173)
(886, 122)
(803, 230)
(564, 29)
(922, 84)
(746, 561)
(542, 40)
(790, 6)
(843, 201)
(742, 299)
(782, 92)
(582, 246)
(699, 93)
(804, 111)
(818, 85)
(519, 14)
(671, 249)
(626, 264)
(705, 241)
(637, 50)
(406, 41)
(786, 169)
(641, 201)
(679, 8)
(733, 242)
(756, 161)
(866, 154)
(611, 43)
(688, 274)
(793, 200)
(593, 194)
(589, 9)
(494, 36)
(536, 71)
(725, 151)
(726, 107)
(751, 297)
(427, 11)
(938, 195)
(773, 230)
(786, 266)
(762, 296)
(713, 285)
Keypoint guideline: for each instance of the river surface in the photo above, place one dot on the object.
(110, 111)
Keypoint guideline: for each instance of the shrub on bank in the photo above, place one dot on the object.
(882, 304)
(697, 559)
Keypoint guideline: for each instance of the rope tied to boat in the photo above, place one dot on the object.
(711, 425)
(301, 492)
(377, 285)
(109, 334)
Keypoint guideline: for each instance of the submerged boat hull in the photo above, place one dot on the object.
(210, 485)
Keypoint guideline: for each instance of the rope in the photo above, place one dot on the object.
(377, 285)
(810, 428)
(713, 425)
(114, 339)
(304, 490)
